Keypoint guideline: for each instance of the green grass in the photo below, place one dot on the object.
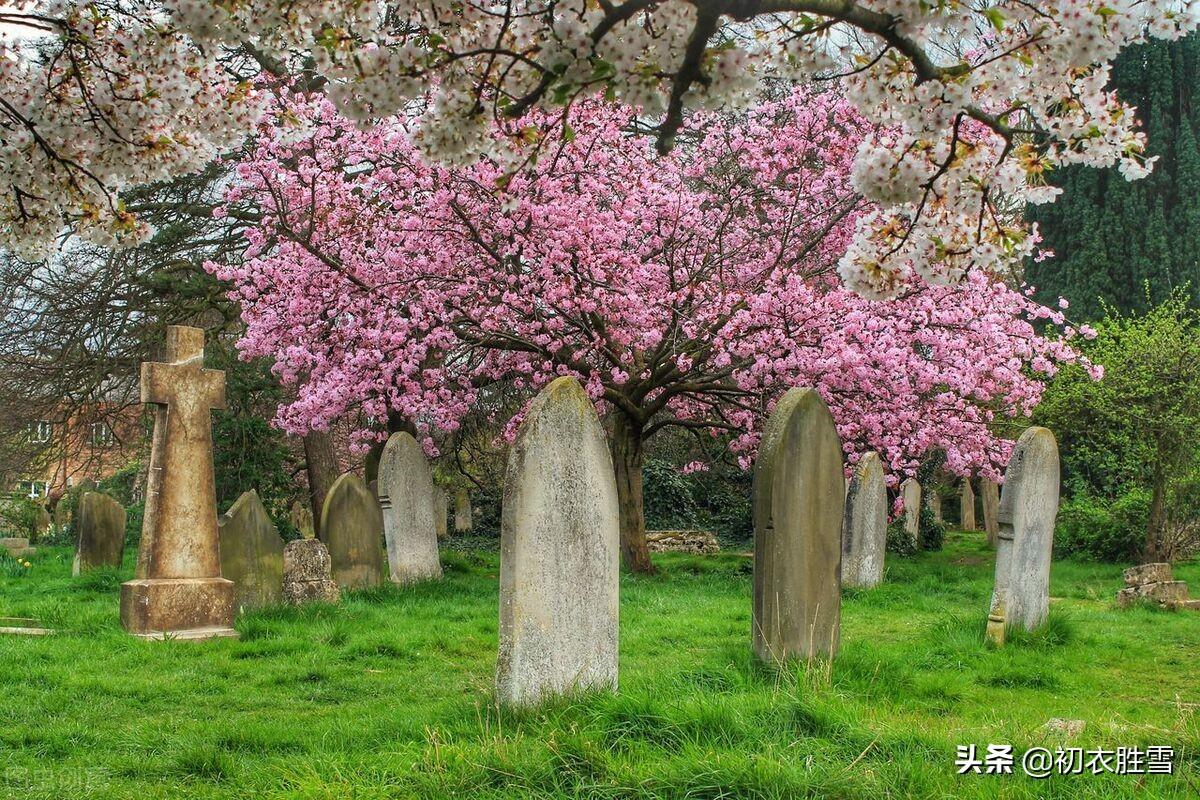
(389, 694)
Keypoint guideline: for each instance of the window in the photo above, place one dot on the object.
(35, 489)
(102, 434)
(39, 432)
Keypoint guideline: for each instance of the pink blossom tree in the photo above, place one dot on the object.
(684, 290)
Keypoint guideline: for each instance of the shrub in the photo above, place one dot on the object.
(1095, 530)
(18, 514)
(898, 541)
(667, 494)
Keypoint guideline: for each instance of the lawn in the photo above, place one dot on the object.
(389, 693)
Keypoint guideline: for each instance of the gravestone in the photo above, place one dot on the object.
(307, 573)
(62, 513)
(439, 512)
(990, 500)
(301, 517)
(251, 554)
(463, 522)
(100, 533)
(864, 529)
(1028, 507)
(910, 491)
(966, 505)
(42, 522)
(178, 590)
(798, 505)
(934, 501)
(17, 546)
(559, 552)
(407, 498)
(352, 529)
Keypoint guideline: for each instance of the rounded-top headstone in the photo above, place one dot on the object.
(100, 529)
(251, 553)
(407, 499)
(910, 490)
(799, 490)
(864, 529)
(559, 552)
(352, 529)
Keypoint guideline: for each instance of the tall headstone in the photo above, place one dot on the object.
(178, 590)
(251, 554)
(910, 491)
(966, 506)
(864, 529)
(439, 512)
(100, 533)
(990, 492)
(798, 506)
(559, 552)
(301, 517)
(934, 500)
(407, 499)
(1028, 508)
(352, 529)
(307, 573)
(463, 516)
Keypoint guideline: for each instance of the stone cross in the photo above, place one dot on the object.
(967, 506)
(864, 529)
(1028, 508)
(178, 590)
(799, 491)
(559, 553)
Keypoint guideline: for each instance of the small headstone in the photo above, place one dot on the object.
(798, 505)
(407, 499)
(439, 512)
(463, 516)
(42, 522)
(559, 552)
(1156, 583)
(352, 529)
(251, 554)
(990, 500)
(62, 513)
(301, 517)
(178, 590)
(910, 491)
(967, 506)
(864, 529)
(100, 529)
(17, 546)
(1028, 508)
(307, 573)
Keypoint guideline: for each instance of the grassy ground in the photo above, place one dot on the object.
(389, 694)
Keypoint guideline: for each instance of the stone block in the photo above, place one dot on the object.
(1148, 573)
(185, 608)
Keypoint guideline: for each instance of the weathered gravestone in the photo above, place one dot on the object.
(178, 590)
(42, 522)
(407, 497)
(62, 512)
(307, 573)
(439, 512)
(559, 552)
(910, 492)
(251, 553)
(798, 504)
(966, 506)
(1028, 507)
(864, 529)
(100, 533)
(352, 529)
(17, 546)
(934, 501)
(463, 516)
(990, 500)
(301, 517)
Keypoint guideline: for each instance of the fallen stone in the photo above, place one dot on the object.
(1148, 573)
(1163, 593)
(1067, 727)
(700, 543)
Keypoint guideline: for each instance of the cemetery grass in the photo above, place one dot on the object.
(389, 694)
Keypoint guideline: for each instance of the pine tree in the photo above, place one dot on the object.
(1128, 244)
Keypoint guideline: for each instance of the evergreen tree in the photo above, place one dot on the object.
(1129, 244)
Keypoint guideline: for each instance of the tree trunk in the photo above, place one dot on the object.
(627, 463)
(1157, 519)
(322, 466)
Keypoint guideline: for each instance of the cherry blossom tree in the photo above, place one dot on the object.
(114, 92)
(684, 290)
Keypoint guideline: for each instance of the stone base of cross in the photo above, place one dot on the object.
(178, 608)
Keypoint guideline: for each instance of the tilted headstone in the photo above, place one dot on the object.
(559, 552)
(407, 498)
(910, 491)
(463, 516)
(352, 529)
(301, 517)
(100, 533)
(1028, 508)
(251, 554)
(966, 505)
(178, 589)
(307, 573)
(798, 505)
(864, 529)
(990, 500)
(439, 512)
